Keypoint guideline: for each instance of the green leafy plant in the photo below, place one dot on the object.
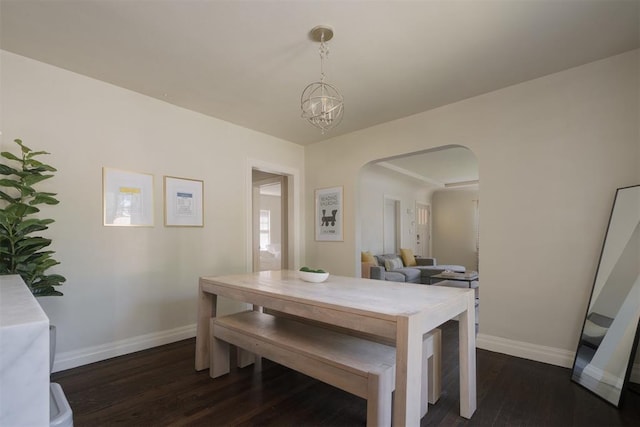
(311, 270)
(20, 251)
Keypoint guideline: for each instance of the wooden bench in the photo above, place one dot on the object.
(362, 367)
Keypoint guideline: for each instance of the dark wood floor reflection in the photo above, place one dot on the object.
(159, 387)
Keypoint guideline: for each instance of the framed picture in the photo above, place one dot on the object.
(329, 214)
(183, 202)
(127, 198)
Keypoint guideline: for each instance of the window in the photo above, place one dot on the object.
(265, 228)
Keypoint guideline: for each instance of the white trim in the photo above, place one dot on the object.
(411, 174)
(84, 356)
(539, 353)
(597, 375)
(75, 358)
(472, 183)
(295, 233)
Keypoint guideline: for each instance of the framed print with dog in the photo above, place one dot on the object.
(329, 214)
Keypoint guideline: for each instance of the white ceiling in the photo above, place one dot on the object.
(247, 62)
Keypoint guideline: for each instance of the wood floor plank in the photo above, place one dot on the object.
(159, 387)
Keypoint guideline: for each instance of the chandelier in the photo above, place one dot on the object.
(322, 103)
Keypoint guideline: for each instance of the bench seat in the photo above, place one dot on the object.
(362, 367)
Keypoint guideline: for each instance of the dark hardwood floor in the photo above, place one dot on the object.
(159, 387)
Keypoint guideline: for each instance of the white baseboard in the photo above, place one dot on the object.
(597, 375)
(75, 358)
(84, 356)
(539, 353)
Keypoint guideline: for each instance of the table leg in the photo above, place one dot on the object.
(206, 310)
(467, 344)
(406, 403)
(246, 358)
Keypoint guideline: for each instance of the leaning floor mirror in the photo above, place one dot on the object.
(606, 351)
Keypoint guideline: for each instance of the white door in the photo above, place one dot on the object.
(423, 227)
(391, 224)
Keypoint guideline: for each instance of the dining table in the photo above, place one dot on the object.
(399, 312)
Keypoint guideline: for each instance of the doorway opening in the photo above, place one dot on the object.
(431, 207)
(270, 221)
(433, 195)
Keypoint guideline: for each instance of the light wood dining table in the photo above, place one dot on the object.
(401, 312)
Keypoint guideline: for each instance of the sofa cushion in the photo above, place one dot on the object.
(382, 258)
(377, 272)
(368, 257)
(408, 259)
(394, 276)
(392, 264)
(410, 274)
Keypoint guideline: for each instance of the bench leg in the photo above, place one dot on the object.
(245, 358)
(219, 363)
(379, 400)
(435, 367)
(427, 373)
(431, 370)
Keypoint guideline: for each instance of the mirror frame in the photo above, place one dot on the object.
(631, 356)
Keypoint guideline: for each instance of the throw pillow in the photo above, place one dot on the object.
(407, 257)
(368, 257)
(392, 264)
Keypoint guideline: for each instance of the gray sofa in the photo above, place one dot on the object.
(420, 273)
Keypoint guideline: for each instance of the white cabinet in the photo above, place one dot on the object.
(24, 356)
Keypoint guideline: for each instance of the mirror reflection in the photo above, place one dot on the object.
(609, 336)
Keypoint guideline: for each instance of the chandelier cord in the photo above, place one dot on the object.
(324, 52)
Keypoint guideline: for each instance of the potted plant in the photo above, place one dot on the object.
(21, 251)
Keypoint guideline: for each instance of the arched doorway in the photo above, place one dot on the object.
(447, 174)
(436, 199)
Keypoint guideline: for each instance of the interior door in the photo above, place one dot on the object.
(423, 230)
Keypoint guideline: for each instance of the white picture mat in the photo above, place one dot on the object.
(329, 214)
(127, 198)
(183, 202)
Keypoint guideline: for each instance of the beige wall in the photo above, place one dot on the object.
(551, 153)
(130, 288)
(453, 236)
